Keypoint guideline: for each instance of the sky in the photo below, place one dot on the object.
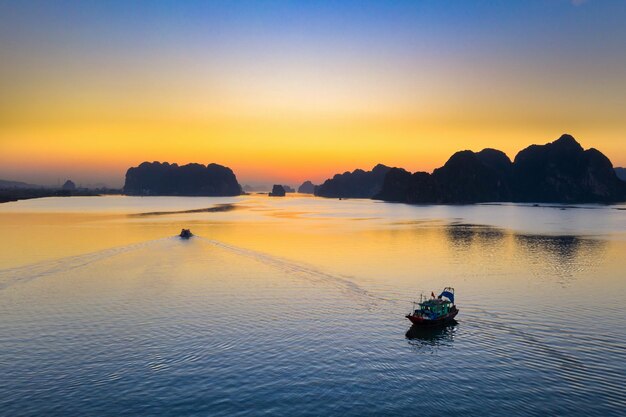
(287, 91)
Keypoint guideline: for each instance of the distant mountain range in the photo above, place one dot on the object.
(155, 178)
(558, 172)
(621, 173)
(17, 184)
(255, 188)
(17, 190)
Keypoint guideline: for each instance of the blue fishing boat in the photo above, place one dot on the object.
(434, 311)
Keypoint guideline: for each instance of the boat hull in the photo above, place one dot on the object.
(422, 322)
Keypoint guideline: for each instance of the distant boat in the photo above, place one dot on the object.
(185, 234)
(434, 311)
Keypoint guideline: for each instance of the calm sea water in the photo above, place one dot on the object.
(295, 306)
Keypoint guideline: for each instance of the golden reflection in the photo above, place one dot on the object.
(397, 254)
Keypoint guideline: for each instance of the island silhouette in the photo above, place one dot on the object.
(355, 184)
(277, 191)
(557, 172)
(156, 178)
(307, 187)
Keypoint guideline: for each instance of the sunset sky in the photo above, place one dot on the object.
(285, 91)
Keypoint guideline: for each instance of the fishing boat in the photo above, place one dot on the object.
(434, 311)
(185, 234)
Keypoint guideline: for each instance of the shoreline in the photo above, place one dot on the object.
(17, 194)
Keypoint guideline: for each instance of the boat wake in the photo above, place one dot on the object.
(26, 273)
(289, 266)
(23, 274)
(490, 322)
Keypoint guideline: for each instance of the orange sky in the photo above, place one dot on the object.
(288, 93)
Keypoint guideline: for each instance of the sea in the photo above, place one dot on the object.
(296, 306)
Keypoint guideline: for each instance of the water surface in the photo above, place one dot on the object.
(294, 306)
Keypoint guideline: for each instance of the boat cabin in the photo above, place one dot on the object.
(434, 308)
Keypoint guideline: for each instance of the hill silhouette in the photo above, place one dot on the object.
(156, 178)
(69, 185)
(558, 172)
(6, 184)
(277, 191)
(355, 184)
(307, 187)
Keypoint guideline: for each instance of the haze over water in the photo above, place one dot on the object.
(295, 306)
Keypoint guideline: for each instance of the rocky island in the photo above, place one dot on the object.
(307, 187)
(558, 172)
(277, 191)
(156, 178)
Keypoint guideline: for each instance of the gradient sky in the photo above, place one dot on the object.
(287, 91)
